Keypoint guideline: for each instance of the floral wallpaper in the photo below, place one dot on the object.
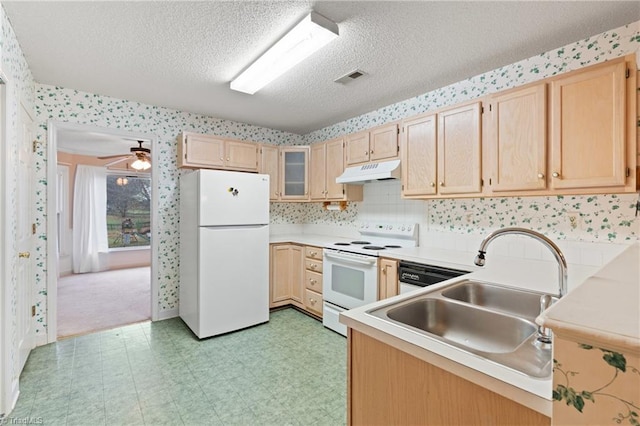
(595, 385)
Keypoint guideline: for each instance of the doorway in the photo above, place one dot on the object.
(101, 275)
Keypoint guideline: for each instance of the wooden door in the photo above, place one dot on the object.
(388, 279)
(25, 307)
(519, 139)
(297, 272)
(334, 168)
(280, 274)
(383, 143)
(317, 172)
(203, 151)
(418, 148)
(357, 148)
(459, 154)
(269, 166)
(241, 155)
(588, 127)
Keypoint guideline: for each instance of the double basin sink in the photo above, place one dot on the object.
(492, 321)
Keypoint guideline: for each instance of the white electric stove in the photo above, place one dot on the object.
(350, 270)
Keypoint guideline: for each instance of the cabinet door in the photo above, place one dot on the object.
(280, 273)
(418, 148)
(357, 148)
(459, 150)
(388, 279)
(317, 171)
(241, 156)
(588, 128)
(518, 139)
(297, 272)
(294, 173)
(269, 166)
(383, 143)
(334, 168)
(203, 151)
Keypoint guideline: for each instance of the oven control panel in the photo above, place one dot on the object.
(391, 230)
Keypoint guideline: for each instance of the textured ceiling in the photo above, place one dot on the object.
(182, 55)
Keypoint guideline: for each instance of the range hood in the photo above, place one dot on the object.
(371, 171)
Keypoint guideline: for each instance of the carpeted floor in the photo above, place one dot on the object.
(103, 300)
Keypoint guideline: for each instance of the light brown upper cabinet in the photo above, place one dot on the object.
(518, 139)
(294, 173)
(459, 153)
(418, 150)
(377, 144)
(213, 152)
(326, 164)
(588, 133)
(269, 165)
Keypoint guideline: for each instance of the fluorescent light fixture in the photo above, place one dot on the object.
(308, 36)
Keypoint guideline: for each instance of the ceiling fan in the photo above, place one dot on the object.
(141, 155)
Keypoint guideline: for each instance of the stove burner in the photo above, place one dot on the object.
(362, 243)
(341, 244)
(392, 246)
(373, 248)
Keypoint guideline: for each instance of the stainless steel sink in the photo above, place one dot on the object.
(509, 300)
(474, 328)
(491, 321)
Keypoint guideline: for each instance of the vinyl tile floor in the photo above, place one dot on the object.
(289, 371)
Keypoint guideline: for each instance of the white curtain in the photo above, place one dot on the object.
(89, 218)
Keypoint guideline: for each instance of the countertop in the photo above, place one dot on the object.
(605, 309)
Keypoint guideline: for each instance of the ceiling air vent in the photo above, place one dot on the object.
(350, 76)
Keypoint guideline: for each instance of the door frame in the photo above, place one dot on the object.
(52, 230)
(8, 393)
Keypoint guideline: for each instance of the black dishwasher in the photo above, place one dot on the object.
(413, 276)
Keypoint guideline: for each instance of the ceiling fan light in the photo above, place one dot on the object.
(141, 164)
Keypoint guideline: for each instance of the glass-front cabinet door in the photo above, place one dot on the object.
(294, 173)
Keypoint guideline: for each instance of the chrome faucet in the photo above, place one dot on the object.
(544, 334)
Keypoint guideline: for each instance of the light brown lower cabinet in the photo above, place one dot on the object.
(387, 386)
(296, 277)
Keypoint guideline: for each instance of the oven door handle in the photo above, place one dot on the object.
(349, 259)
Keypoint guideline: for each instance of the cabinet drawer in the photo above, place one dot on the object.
(313, 302)
(313, 265)
(313, 253)
(313, 281)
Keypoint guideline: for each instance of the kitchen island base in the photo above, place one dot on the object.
(387, 386)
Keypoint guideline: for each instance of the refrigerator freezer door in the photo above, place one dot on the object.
(234, 278)
(233, 198)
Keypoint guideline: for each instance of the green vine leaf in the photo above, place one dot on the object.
(570, 396)
(587, 395)
(615, 359)
(583, 346)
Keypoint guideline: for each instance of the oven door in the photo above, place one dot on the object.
(349, 280)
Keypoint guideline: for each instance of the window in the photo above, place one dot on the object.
(128, 210)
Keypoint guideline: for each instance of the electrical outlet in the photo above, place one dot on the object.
(574, 219)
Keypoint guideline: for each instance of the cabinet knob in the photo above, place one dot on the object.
(441, 183)
(221, 159)
(24, 254)
(371, 152)
(540, 175)
(227, 158)
(366, 153)
(313, 253)
(432, 184)
(312, 281)
(312, 301)
(555, 174)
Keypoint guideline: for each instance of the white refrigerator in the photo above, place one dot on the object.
(224, 251)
